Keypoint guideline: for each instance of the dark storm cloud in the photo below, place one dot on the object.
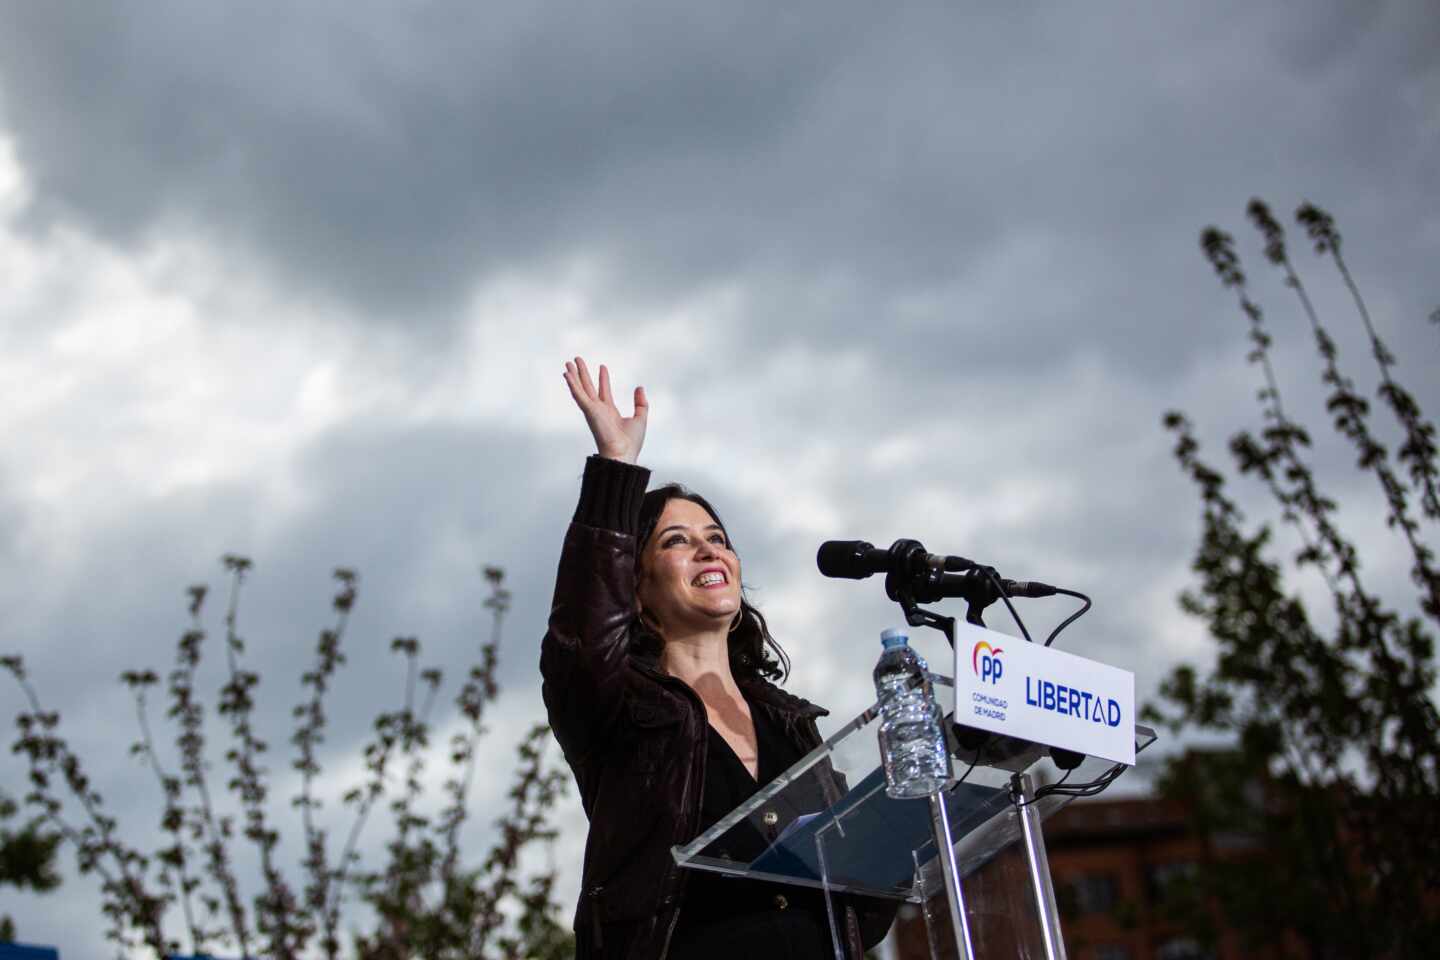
(392, 157)
(387, 156)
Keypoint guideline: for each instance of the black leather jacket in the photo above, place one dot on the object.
(635, 738)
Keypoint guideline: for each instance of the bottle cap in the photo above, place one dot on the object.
(894, 637)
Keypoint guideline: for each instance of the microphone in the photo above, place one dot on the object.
(851, 559)
(856, 559)
(931, 576)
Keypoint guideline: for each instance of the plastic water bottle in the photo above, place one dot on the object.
(912, 741)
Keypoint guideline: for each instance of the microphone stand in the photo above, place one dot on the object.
(922, 583)
(923, 586)
(919, 617)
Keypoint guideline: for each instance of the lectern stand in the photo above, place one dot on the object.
(971, 860)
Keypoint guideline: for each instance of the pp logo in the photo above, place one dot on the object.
(985, 660)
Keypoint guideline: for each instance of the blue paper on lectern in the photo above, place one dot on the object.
(879, 835)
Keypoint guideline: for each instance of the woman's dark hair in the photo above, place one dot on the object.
(750, 640)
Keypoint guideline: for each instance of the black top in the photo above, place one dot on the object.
(724, 916)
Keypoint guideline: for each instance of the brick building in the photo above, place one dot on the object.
(1122, 870)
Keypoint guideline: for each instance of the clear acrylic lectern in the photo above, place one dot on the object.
(971, 861)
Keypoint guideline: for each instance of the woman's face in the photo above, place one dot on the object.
(689, 576)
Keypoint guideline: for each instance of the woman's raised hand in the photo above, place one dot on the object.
(616, 437)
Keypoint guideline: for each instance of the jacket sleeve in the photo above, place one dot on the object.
(583, 655)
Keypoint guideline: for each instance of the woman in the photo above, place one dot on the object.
(657, 682)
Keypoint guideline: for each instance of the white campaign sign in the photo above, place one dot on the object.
(1025, 690)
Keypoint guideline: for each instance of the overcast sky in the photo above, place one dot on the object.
(300, 285)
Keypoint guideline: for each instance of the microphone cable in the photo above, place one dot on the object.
(1090, 789)
(1046, 790)
(1005, 595)
(968, 770)
(1070, 619)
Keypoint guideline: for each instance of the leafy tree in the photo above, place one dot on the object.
(27, 859)
(1336, 766)
(423, 900)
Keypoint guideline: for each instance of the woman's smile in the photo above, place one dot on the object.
(689, 574)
